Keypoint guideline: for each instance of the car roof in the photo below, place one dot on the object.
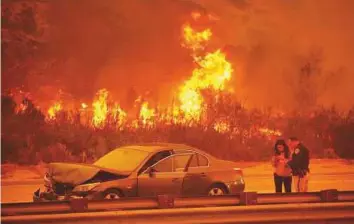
(160, 146)
(145, 148)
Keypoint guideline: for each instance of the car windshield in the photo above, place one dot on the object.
(122, 159)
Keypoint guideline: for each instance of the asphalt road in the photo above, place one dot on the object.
(22, 191)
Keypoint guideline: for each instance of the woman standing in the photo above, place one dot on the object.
(282, 173)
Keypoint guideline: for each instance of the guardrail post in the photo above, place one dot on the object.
(329, 195)
(78, 205)
(248, 198)
(165, 201)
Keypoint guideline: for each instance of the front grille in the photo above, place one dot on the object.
(58, 188)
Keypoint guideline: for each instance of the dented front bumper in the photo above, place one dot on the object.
(39, 196)
(49, 194)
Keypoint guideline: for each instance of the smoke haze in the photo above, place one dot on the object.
(285, 53)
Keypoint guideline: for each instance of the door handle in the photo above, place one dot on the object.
(203, 175)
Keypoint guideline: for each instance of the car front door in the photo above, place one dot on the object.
(165, 177)
(154, 159)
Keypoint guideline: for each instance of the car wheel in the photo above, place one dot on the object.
(112, 194)
(216, 190)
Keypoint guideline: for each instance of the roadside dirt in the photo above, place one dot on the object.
(13, 172)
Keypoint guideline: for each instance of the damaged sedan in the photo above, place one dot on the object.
(142, 171)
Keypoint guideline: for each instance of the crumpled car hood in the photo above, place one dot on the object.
(75, 173)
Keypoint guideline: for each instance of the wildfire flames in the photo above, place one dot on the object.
(119, 115)
(146, 114)
(212, 72)
(53, 110)
(195, 40)
(267, 131)
(100, 108)
(222, 127)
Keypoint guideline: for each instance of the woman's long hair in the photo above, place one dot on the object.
(286, 148)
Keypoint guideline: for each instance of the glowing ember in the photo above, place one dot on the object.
(138, 100)
(84, 105)
(222, 127)
(146, 114)
(53, 110)
(196, 15)
(100, 108)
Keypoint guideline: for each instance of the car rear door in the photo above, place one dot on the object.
(197, 179)
(167, 177)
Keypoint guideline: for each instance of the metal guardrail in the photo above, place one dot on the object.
(330, 212)
(165, 201)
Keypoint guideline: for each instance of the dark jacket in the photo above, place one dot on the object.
(300, 161)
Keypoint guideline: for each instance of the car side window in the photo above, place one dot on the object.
(203, 161)
(165, 165)
(183, 151)
(194, 161)
(180, 162)
(154, 159)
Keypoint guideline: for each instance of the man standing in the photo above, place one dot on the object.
(299, 165)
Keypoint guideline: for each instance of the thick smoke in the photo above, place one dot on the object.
(122, 46)
(289, 53)
(285, 53)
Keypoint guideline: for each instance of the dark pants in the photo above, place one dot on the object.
(279, 180)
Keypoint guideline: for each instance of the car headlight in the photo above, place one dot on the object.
(85, 187)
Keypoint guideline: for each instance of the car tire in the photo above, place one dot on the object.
(217, 189)
(112, 194)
